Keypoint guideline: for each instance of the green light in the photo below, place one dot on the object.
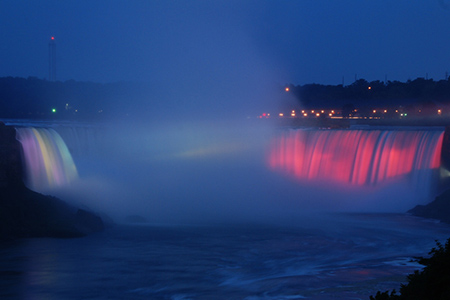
(53, 110)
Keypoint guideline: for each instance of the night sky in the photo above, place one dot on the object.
(225, 43)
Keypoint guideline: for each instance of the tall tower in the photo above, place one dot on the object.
(52, 59)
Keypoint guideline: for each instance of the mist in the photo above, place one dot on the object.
(189, 147)
(195, 152)
(197, 172)
(204, 171)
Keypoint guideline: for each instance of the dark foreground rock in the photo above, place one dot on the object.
(439, 209)
(24, 213)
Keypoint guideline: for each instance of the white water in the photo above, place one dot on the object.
(201, 172)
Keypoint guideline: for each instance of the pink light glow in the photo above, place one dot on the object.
(357, 157)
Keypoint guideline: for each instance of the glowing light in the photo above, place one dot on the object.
(48, 162)
(385, 111)
(445, 172)
(322, 111)
(439, 111)
(357, 157)
(303, 111)
(305, 114)
(287, 89)
(330, 114)
(281, 114)
(332, 111)
(317, 115)
(52, 38)
(53, 110)
(312, 111)
(369, 88)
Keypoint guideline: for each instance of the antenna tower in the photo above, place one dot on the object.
(52, 59)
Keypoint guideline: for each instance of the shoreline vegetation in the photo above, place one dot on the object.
(420, 92)
(34, 98)
(432, 282)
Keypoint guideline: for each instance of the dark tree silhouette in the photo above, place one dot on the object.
(362, 93)
(432, 283)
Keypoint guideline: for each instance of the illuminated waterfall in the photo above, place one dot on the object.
(48, 162)
(357, 157)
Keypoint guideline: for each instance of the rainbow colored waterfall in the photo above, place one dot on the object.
(357, 157)
(47, 160)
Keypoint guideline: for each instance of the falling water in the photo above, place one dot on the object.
(357, 157)
(48, 162)
(143, 172)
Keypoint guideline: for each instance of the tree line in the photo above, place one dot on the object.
(432, 282)
(34, 98)
(362, 93)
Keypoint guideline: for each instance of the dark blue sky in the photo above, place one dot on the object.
(221, 43)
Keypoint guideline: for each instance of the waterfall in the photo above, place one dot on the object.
(366, 169)
(81, 140)
(47, 161)
(357, 157)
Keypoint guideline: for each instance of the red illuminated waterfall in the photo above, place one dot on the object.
(355, 156)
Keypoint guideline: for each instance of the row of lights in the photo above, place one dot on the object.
(439, 111)
(287, 89)
(331, 113)
(313, 112)
(304, 113)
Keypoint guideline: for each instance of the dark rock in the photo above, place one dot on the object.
(10, 158)
(87, 222)
(24, 213)
(439, 209)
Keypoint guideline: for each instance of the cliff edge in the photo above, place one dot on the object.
(439, 209)
(24, 213)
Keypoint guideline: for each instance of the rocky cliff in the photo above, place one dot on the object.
(439, 209)
(24, 213)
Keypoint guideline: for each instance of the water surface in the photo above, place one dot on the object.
(338, 256)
